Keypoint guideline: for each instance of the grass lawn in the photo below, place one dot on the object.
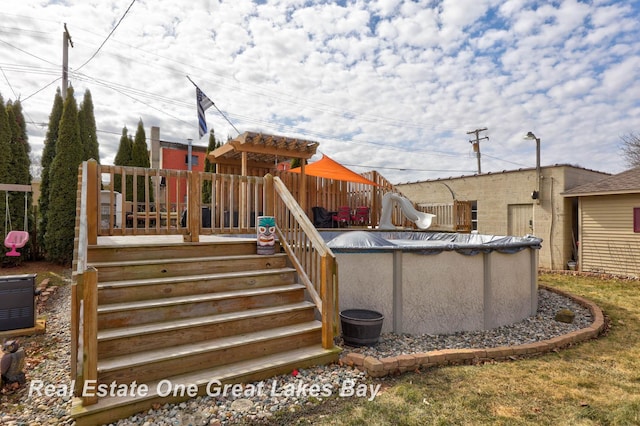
(593, 383)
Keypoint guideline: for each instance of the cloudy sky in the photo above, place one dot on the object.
(390, 85)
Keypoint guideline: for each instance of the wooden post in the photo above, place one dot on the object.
(74, 325)
(326, 294)
(90, 331)
(193, 208)
(302, 198)
(92, 202)
(269, 195)
(375, 208)
(242, 205)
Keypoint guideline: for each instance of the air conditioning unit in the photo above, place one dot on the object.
(17, 302)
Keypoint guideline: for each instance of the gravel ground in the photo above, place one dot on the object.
(542, 326)
(48, 361)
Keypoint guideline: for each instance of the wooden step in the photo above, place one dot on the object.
(153, 288)
(146, 337)
(151, 365)
(111, 409)
(119, 252)
(173, 267)
(157, 310)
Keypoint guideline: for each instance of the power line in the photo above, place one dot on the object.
(27, 53)
(260, 91)
(8, 83)
(11, 30)
(506, 161)
(105, 40)
(41, 89)
(407, 169)
(145, 103)
(279, 96)
(23, 69)
(125, 90)
(133, 91)
(14, 93)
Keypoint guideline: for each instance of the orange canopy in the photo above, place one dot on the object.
(328, 168)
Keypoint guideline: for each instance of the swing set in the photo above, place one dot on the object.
(15, 239)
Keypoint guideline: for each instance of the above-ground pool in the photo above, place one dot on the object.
(437, 283)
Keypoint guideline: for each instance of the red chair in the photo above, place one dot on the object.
(343, 216)
(361, 216)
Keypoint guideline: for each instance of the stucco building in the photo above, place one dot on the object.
(517, 202)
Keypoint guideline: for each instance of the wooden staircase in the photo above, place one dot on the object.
(189, 313)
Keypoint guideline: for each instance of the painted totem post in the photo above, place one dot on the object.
(266, 235)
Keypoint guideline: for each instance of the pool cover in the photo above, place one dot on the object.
(428, 242)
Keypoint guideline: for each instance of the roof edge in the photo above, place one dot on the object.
(525, 169)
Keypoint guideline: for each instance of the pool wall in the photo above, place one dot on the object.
(439, 291)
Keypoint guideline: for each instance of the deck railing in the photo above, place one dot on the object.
(139, 201)
(84, 291)
(454, 217)
(316, 264)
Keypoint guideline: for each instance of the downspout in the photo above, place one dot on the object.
(553, 223)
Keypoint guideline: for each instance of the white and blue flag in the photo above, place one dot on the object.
(203, 104)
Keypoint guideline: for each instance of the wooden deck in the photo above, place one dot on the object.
(142, 240)
(170, 301)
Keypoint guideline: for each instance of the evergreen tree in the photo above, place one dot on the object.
(64, 183)
(20, 164)
(5, 162)
(21, 125)
(88, 133)
(140, 158)
(48, 154)
(20, 161)
(209, 167)
(123, 158)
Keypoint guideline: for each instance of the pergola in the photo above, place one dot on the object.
(257, 154)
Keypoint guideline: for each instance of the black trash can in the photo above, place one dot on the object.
(361, 327)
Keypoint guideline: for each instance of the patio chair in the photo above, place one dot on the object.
(361, 216)
(343, 216)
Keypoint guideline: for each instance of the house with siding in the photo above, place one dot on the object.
(516, 202)
(609, 224)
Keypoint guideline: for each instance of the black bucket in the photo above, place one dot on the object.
(361, 327)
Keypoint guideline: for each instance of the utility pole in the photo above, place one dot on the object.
(476, 144)
(66, 41)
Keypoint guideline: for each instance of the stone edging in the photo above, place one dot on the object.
(375, 367)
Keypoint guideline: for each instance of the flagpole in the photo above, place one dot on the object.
(189, 78)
